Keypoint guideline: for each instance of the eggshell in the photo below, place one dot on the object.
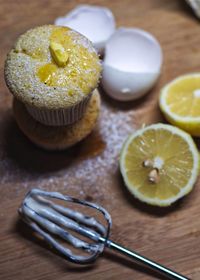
(132, 64)
(95, 22)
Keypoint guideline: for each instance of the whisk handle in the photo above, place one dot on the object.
(145, 261)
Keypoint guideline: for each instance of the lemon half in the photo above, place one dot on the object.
(159, 164)
(180, 103)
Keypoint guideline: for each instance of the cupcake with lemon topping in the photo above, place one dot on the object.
(53, 70)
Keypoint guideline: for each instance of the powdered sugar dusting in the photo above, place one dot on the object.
(114, 128)
(71, 172)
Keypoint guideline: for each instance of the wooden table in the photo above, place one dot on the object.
(90, 170)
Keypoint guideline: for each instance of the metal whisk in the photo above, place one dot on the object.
(50, 219)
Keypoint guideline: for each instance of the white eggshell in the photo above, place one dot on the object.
(95, 22)
(132, 64)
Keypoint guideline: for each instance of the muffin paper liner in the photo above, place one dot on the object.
(59, 117)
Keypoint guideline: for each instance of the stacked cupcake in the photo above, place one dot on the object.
(53, 73)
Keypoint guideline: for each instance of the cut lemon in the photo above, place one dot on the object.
(180, 103)
(159, 164)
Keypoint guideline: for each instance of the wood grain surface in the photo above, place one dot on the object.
(90, 170)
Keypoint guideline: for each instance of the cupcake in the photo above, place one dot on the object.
(53, 71)
(57, 137)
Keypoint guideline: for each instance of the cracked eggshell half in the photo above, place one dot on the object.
(95, 22)
(132, 64)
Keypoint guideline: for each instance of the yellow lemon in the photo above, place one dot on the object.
(159, 164)
(180, 103)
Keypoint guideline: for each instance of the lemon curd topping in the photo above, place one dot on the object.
(74, 64)
(47, 73)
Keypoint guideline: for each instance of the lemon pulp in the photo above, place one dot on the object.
(159, 164)
(184, 98)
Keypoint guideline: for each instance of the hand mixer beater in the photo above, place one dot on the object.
(54, 222)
